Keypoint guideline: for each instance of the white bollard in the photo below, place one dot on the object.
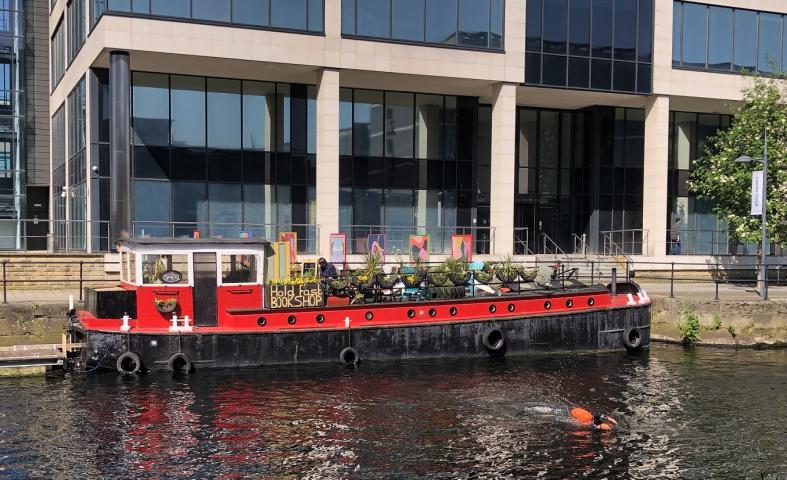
(346, 322)
(174, 326)
(631, 299)
(125, 327)
(186, 325)
(70, 302)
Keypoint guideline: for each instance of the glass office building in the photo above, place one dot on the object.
(531, 125)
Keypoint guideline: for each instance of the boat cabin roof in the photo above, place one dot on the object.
(191, 244)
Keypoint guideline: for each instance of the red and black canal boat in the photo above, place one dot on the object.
(186, 304)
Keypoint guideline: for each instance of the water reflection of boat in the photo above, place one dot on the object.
(197, 303)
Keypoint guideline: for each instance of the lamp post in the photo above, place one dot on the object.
(763, 275)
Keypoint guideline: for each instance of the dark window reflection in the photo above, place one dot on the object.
(288, 14)
(441, 21)
(624, 76)
(473, 22)
(215, 10)
(601, 74)
(769, 51)
(373, 18)
(252, 12)
(533, 25)
(555, 21)
(745, 52)
(602, 28)
(554, 70)
(720, 38)
(694, 34)
(171, 8)
(579, 35)
(625, 30)
(645, 31)
(578, 72)
(407, 19)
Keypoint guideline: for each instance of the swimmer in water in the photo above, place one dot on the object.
(597, 422)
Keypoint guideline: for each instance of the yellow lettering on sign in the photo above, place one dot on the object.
(294, 296)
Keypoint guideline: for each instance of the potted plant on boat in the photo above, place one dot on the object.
(365, 278)
(485, 275)
(458, 271)
(166, 305)
(528, 274)
(507, 270)
(388, 280)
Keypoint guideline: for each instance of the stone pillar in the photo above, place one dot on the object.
(119, 146)
(327, 187)
(503, 165)
(656, 173)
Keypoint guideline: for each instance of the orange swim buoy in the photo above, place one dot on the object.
(582, 415)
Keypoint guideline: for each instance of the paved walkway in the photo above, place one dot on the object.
(681, 290)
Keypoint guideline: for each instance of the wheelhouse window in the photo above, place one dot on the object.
(238, 269)
(165, 269)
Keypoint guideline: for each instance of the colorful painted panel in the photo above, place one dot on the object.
(376, 244)
(462, 247)
(292, 239)
(338, 248)
(419, 247)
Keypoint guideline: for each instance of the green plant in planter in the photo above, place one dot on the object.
(507, 270)
(527, 274)
(457, 269)
(165, 302)
(365, 277)
(387, 280)
(486, 274)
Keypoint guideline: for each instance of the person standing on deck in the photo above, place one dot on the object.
(327, 270)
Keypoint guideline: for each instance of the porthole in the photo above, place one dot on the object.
(452, 311)
(410, 313)
(291, 320)
(569, 303)
(591, 301)
(432, 312)
(492, 309)
(547, 305)
(511, 307)
(369, 315)
(261, 321)
(320, 318)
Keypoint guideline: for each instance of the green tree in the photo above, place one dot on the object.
(716, 177)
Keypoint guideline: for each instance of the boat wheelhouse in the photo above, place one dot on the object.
(185, 304)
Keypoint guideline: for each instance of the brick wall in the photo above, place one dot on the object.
(58, 271)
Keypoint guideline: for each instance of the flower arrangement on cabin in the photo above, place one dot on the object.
(486, 274)
(507, 270)
(166, 305)
(293, 281)
(366, 277)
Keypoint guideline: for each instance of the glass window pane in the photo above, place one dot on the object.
(496, 18)
(644, 78)
(624, 76)
(407, 17)
(602, 28)
(373, 18)
(600, 74)
(745, 48)
(188, 202)
(119, 5)
(348, 17)
(368, 123)
(645, 31)
(311, 119)
(224, 113)
(150, 104)
(315, 15)
(555, 26)
(288, 14)
(188, 111)
(398, 211)
(720, 38)
(579, 20)
(151, 201)
(533, 68)
(769, 53)
(257, 203)
(251, 12)
(428, 126)
(345, 121)
(441, 21)
(548, 139)
(677, 30)
(238, 269)
(554, 70)
(225, 208)
(283, 118)
(215, 10)
(625, 30)
(259, 103)
(533, 25)
(399, 125)
(140, 6)
(694, 34)
(578, 72)
(474, 22)
(171, 8)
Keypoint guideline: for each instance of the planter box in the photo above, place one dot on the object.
(293, 296)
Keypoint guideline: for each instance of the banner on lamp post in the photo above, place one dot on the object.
(756, 192)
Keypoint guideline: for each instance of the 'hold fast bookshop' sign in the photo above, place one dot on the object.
(293, 296)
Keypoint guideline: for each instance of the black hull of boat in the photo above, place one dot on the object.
(575, 332)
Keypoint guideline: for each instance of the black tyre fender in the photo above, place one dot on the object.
(632, 338)
(349, 356)
(180, 363)
(494, 340)
(128, 363)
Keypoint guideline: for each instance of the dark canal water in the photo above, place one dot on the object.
(702, 414)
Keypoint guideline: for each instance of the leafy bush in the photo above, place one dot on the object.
(690, 329)
(716, 323)
(731, 330)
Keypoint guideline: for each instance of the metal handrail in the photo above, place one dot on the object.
(710, 242)
(580, 244)
(397, 237)
(522, 241)
(624, 242)
(552, 248)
